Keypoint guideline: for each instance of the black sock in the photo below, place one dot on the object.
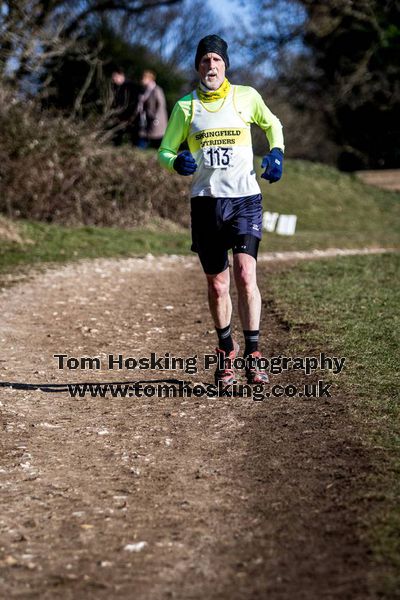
(225, 341)
(251, 341)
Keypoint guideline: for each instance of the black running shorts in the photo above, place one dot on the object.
(219, 224)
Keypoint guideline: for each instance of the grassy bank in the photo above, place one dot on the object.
(55, 243)
(349, 306)
(332, 208)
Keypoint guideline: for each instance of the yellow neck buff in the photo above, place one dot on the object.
(213, 95)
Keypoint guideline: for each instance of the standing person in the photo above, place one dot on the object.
(152, 112)
(124, 107)
(226, 203)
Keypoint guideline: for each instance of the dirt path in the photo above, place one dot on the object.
(156, 498)
(388, 179)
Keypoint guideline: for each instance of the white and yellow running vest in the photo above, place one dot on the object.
(220, 141)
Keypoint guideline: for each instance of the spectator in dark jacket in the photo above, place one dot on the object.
(124, 107)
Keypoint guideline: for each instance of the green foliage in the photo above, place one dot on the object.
(356, 49)
(335, 78)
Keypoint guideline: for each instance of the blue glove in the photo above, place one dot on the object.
(273, 164)
(184, 164)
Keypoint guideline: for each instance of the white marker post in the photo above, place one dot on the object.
(281, 224)
(270, 220)
(286, 225)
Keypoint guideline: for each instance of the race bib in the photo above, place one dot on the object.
(217, 158)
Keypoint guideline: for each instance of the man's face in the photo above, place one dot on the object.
(118, 78)
(212, 70)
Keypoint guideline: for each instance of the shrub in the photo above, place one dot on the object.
(54, 169)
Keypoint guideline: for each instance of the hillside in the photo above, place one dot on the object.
(333, 209)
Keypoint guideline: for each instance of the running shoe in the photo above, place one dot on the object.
(227, 374)
(254, 374)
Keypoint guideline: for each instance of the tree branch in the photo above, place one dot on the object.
(113, 6)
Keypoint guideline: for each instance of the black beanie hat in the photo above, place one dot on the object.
(212, 43)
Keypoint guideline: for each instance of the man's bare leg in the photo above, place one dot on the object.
(249, 297)
(244, 268)
(219, 299)
(220, 303)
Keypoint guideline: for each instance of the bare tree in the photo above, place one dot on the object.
(172, 32)
(32, 31)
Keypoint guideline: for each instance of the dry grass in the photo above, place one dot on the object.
(55, 170)
(9, 232)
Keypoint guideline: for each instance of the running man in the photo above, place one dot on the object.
(226, 202)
